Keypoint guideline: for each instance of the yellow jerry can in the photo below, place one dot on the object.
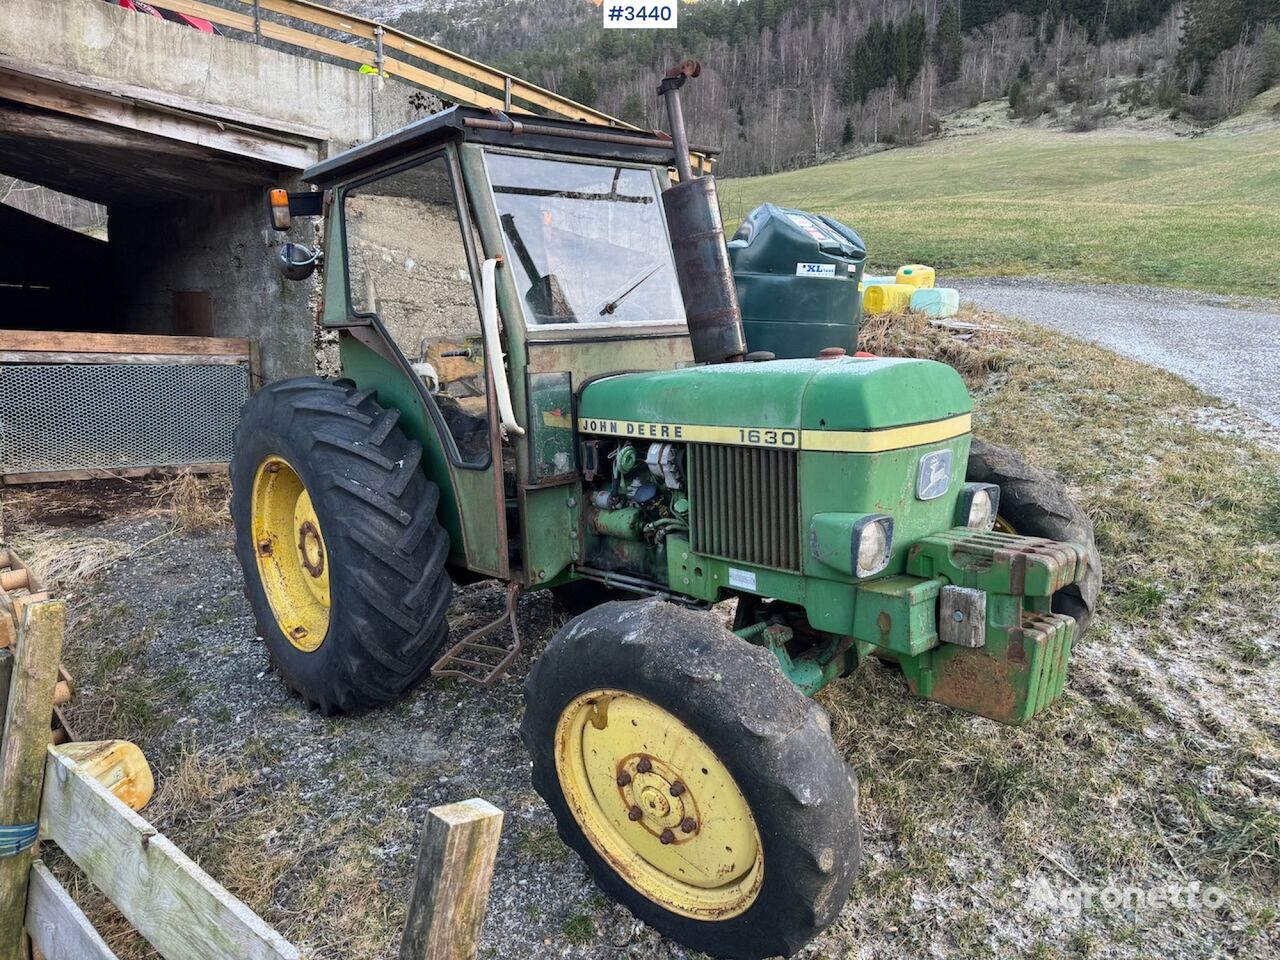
(916, 275)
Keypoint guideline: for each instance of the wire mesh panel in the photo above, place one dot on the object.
(66, 416)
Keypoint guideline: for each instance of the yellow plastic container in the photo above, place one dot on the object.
(916, 275)
(886, 297)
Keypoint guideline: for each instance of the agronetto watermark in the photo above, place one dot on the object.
(1075, 899)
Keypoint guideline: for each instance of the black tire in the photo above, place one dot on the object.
(775, 742)
(386, 550)
(1036, 504)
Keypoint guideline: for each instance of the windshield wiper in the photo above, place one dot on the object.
(572, 194)
(611, 302)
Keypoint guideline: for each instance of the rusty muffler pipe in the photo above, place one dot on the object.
(697, 241)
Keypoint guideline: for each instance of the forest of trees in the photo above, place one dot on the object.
(791, 82)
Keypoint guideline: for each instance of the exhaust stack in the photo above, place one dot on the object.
(697, 241)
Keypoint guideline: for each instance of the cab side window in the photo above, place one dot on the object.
(407, 263)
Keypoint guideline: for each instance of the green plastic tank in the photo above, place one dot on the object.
(797, 276)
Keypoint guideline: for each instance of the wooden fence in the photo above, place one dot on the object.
(83, 798)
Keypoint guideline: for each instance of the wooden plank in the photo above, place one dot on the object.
(67, 342)
(22, 755)
(57, 927)
(451, 881)
(108, 473)
(32, 356)
(181, 911)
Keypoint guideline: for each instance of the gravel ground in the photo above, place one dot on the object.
(1227, 346)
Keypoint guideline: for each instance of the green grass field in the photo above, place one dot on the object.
(1198, 213)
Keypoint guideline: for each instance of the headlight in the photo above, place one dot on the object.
(872, 544)
(979, 503)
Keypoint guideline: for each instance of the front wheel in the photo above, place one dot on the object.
(701, 788)
(1035, 504)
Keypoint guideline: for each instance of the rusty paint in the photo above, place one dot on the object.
(600, 712)
(974, 681)
(885, 623)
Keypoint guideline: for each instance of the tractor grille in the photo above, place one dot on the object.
(56, 417)
(744, 504)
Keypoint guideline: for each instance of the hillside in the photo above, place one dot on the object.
(787, 83)
(1176, 211)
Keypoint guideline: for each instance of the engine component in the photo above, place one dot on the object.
(661, 460)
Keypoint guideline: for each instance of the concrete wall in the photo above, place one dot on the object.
(102, 40)
(171, 258)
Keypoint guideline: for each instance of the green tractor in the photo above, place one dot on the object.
(544, 381)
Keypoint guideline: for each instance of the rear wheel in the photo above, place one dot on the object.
(1035, 504)
(336, 532)
(701, 788)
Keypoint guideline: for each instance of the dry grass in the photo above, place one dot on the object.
(974, 353)
(64, 560)
(192, 503)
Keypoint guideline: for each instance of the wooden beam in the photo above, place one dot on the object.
(57, 927)
(65, 342)
(181, 911)
(108, 473)
(22, 763)
(32, 356)
(451, 881)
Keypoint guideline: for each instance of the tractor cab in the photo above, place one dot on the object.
(484, 270)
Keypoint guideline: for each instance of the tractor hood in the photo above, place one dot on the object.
(817, 404)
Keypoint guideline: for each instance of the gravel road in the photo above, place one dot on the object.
(1226, 346)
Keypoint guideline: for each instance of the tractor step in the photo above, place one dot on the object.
(482, 663)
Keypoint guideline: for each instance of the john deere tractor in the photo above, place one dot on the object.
(544, 381)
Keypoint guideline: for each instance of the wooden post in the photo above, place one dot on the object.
(451, 882)
(22, 755)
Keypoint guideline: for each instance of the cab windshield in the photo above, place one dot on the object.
(587, 242)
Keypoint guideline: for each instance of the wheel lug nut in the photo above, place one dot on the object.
(634, 814)
(688, 824)
(644, 766)
(623, 778)
(677, 788)
(667, 836)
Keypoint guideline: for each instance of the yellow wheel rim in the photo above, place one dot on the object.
(292, 562)
(658, 805)
(1003, 525)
